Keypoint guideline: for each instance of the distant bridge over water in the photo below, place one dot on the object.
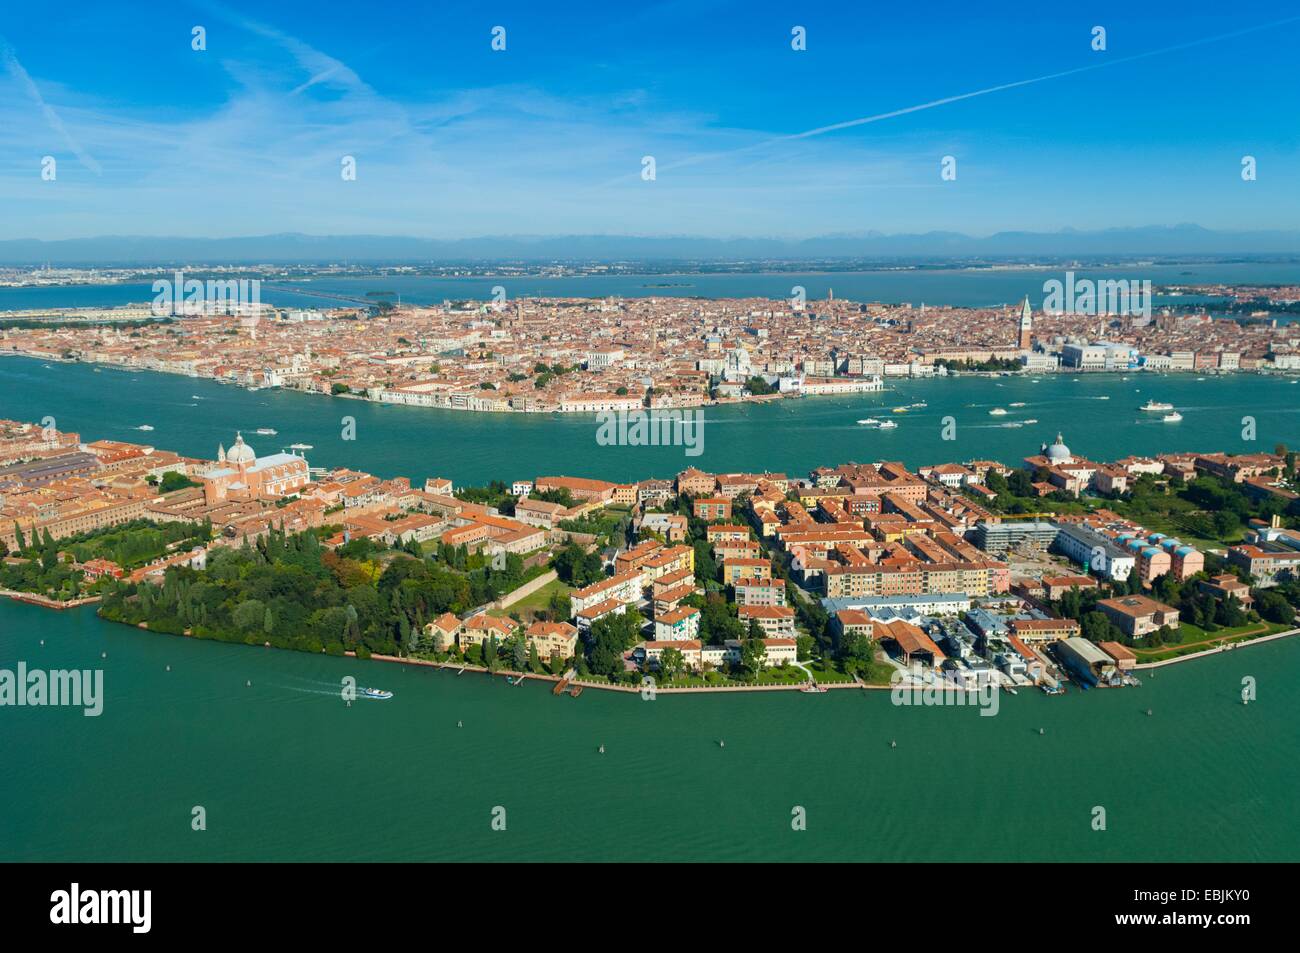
(330, 295)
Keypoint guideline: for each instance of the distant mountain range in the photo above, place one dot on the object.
(293, 248)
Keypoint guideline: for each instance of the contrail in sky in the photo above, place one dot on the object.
(16, 70)
(865, 120)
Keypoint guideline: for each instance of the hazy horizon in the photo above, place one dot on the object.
(756, 119)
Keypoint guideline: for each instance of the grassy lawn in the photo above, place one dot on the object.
(540, 599)
(827, 671)
(1196, 639)
(791, 675)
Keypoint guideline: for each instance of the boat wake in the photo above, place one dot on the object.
(336, 693)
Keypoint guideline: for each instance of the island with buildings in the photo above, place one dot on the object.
(969, 575)
(582, 355)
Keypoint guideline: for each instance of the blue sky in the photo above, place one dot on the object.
(452, 139)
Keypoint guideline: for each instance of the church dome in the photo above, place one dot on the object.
(240, 452)
(1058, 452)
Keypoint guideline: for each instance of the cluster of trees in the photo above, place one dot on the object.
(577, 567)
(1278, 604)
(515, 653)
(995, 364)
(291, 592)
(43, 572)
(605, 643)
(1195, 607)
(172, 481)
(1016, 493)
(547, 374)
(495, 494)
(1208, 506)
(136, 543)
(609, 526)
(129, 545)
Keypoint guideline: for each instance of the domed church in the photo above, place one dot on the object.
(239, 474)
(1058, 453)
(1065, 471)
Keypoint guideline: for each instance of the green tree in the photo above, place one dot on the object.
(671, 663)
(752, 655)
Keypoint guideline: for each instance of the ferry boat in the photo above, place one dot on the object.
(1156, 405)
(266, 431)
(378, 693)
(998, 412)
(887, 425)
(1172, 418)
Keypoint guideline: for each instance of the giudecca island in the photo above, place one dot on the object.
(969, 576)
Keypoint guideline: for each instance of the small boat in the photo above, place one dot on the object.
(266, 431)
(197, 397)
(1172, 418)
(1019, 403)
(920, 403)
(144, 427)
(1009, 690)
(1104, 397)
(812, 688)
(1031, 420)
(299, 446)
(377, 693)
(868, 421)
(887, 425)
(1156, 405)
(900, 410)
(1014, 423)
(998, 412)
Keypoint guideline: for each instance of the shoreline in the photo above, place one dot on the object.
(43, 602)
(885, 385)
(1217, 650)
